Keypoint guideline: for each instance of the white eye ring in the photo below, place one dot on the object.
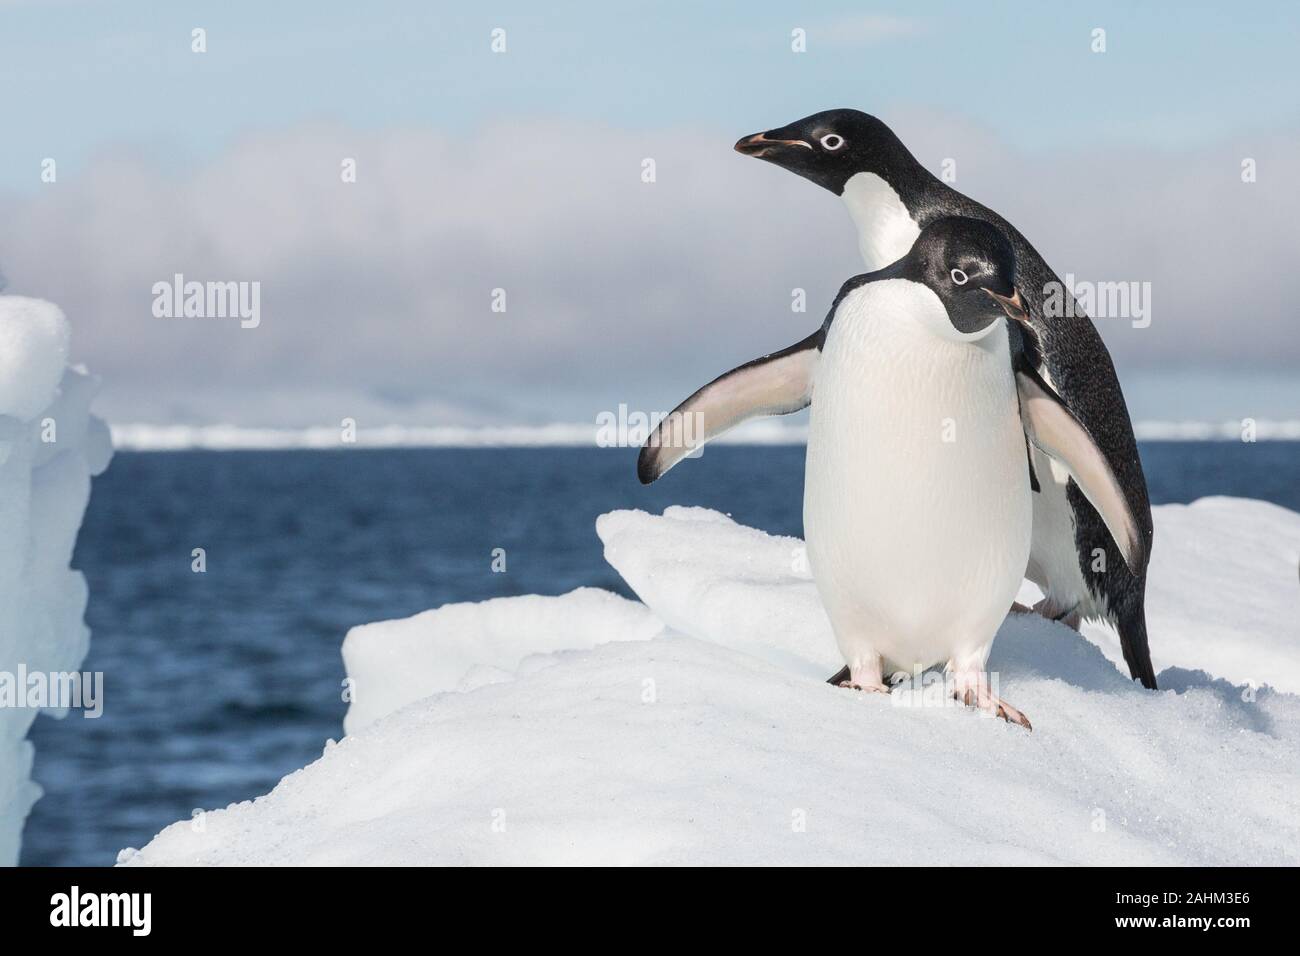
(838, 141)
(959, 277)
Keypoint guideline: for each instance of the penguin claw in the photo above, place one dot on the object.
(995, 705)
(869, 688)
(1013, 716)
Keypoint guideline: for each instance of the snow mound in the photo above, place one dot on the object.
(50, 446)
(1223, 592)
(723, 744)
(713, 579)
(464, 646)
(33, 352)
(680, 751)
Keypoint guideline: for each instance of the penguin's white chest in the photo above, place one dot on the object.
(917, 502)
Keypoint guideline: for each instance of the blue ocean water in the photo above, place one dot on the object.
(218, 684)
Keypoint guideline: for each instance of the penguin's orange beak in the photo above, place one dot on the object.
(759, 145)
(1012, 305)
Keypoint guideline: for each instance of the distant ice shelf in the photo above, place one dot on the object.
(227, 437)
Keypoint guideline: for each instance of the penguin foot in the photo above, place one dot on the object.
(866, 674)
(1018, 608)
(972, 689)
(1070, 617)
(869, 688)
(985, 700)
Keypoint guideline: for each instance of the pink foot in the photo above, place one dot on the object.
(869, 688)
(865, 673)
(1053, 612)
(972, 689)
(985, 700)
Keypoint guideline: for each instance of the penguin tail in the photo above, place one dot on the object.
(1132, 627)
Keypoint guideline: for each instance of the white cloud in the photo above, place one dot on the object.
(376, 295)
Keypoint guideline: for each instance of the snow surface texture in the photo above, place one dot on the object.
(1223, 592)
(717, 740)
(44, 487)
(463, 646)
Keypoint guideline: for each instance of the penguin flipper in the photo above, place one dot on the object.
(775, 384)
(1054, 429)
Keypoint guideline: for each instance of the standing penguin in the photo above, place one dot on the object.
(917, 510)
(891, 198)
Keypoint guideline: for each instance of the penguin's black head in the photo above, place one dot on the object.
(830, 147)
(971, 266)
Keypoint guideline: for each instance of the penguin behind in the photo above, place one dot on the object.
(891, 197)
(917, 509)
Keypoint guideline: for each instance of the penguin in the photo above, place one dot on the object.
(891, 198)
(917, 496)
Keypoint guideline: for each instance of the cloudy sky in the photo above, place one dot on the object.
(521, 171)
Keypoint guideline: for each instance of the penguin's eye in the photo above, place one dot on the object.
(958, 277)
(832, 141)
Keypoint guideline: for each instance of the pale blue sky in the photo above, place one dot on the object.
(78, 76)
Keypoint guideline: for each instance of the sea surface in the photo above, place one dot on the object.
(218, 684)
